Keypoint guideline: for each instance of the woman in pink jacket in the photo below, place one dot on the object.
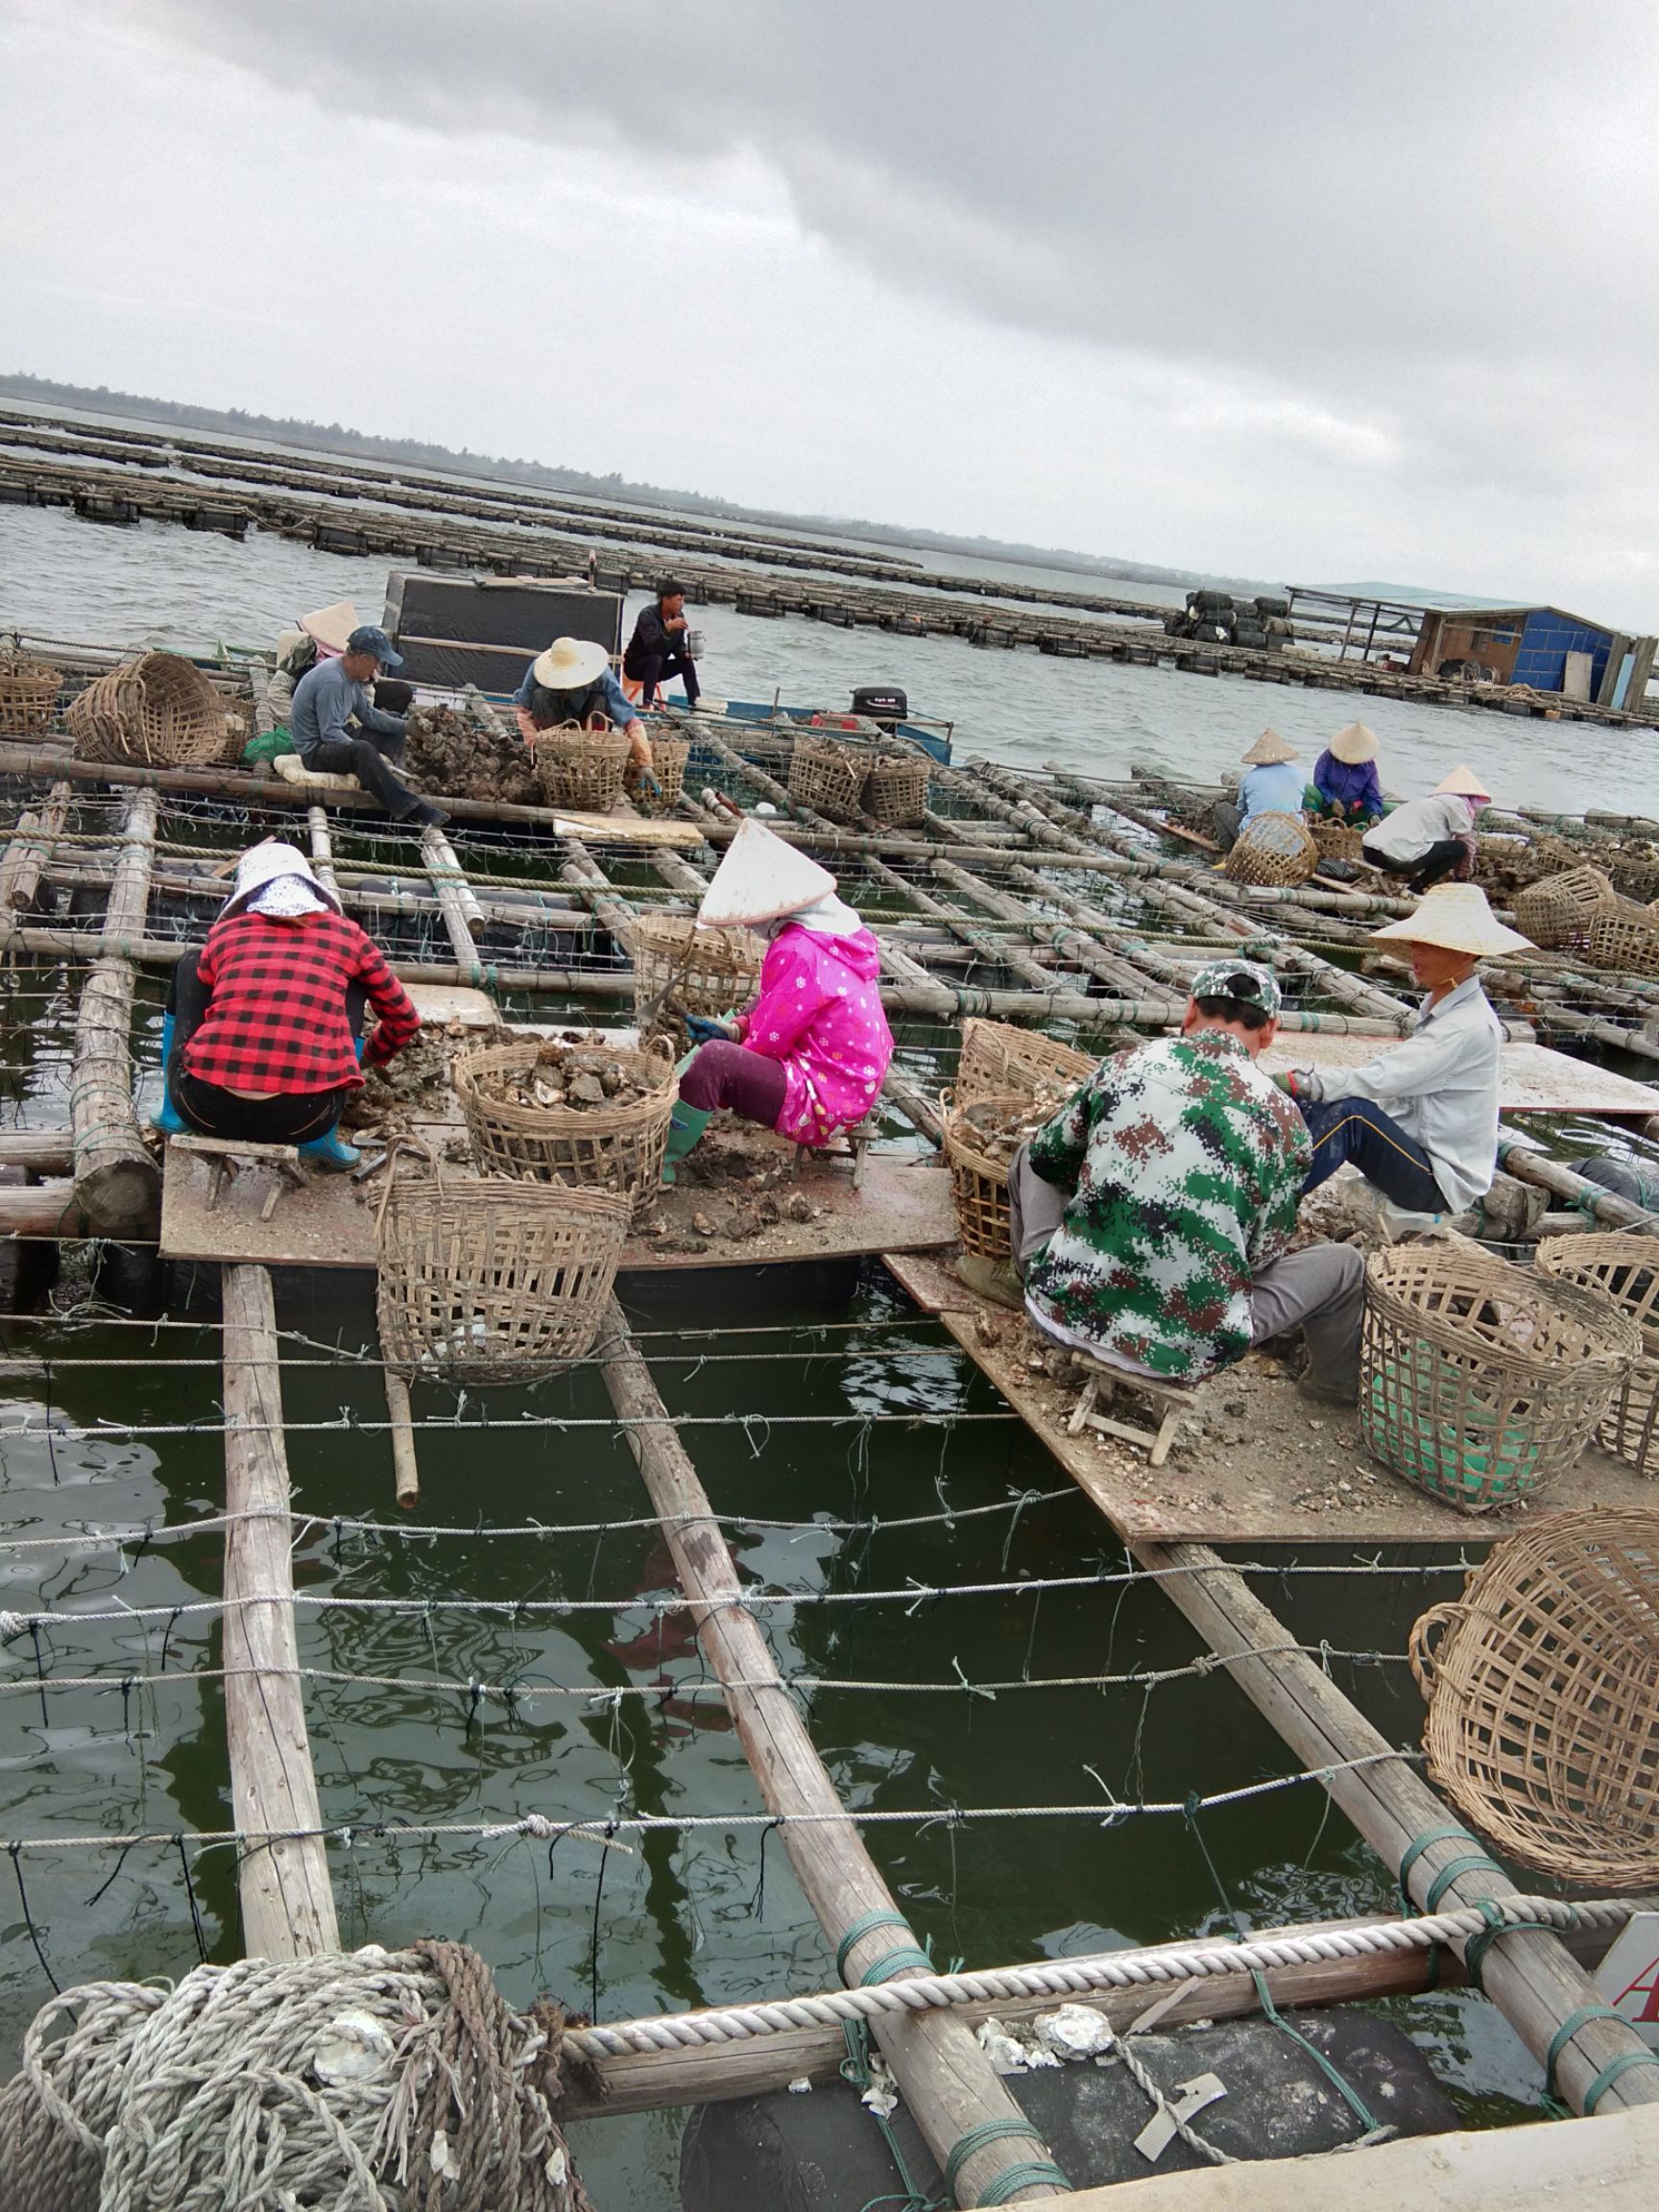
(808, 1057)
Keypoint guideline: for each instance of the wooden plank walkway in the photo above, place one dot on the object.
(1295, 1485)
(905, 1206)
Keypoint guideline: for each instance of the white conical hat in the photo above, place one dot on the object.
(1456, 916)
(1461, 783)
(760, 880)
(571, 664)
(331, 626)
(1269, 751)
(1354, 745)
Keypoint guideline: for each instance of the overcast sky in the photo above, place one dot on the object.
(1296, 289)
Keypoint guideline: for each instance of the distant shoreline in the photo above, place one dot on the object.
(335, 438)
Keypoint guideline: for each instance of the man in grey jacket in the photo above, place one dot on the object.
(338, 731)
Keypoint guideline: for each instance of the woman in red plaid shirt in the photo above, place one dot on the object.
(263, 1031)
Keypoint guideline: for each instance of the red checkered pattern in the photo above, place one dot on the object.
(277, 1021)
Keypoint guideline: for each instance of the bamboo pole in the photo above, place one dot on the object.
(947, 2083)
(118, 1185)
(406, 1471)
(27, 853)
(459, 908)
(288, 1902)
(1529, 1975)
(1538, 1167)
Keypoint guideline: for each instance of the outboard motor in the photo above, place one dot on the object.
(882, 704)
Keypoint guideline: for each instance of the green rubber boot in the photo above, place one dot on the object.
(686, 1125)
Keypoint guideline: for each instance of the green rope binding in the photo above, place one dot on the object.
(976, 2138)
(1452, 1830)
(1445, 1876)
(1609, 2073)
(1024, 2176)
(866, 1925)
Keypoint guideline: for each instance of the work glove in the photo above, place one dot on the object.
(704, 1029)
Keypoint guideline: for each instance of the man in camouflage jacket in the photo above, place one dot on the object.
(1153, 1214)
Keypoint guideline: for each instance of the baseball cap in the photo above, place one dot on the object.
(369, 638)
(1240, 979)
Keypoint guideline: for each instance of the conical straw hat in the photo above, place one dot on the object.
(1456, 916)
(1461, 783)
(571, 664)
(1269, 751)
(760, 880)
(331, 626)
(1354, 746)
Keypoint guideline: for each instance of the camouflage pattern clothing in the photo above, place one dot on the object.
(1185, 1165)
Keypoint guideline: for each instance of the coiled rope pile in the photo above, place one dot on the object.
(372, 2081)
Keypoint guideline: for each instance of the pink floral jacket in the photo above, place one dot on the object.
(820, 1013)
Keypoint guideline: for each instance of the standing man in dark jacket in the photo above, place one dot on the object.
(336, 731)
(658, 646)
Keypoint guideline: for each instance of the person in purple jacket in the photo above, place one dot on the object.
(1345, 787)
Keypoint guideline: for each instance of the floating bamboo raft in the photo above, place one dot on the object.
(1015, 897)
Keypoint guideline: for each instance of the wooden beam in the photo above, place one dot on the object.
(288, 1902)
(947, 2083)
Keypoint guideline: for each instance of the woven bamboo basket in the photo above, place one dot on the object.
(590, 1148)
(1337, 840)
(1273, 849)
(827, 776)
(668, 758)
(159, 712)
(1479, 1380)
(1624, 936)
(1625, 1270)
(582, 769)
(896, 790)
(1635, 872)
(28, 694)
(978, 1182)
(998, 1058)
(1543, 1724)
(681, 970)
(1557, 911)
(492, 1281)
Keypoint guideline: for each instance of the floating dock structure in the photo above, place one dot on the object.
(1028, 898)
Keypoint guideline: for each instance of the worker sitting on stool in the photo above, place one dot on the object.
(571, 686)
(264, 1024)
(329, 699)
(657, 647)
(809, 1056)
(1420, 1122)
(1152, 1217)
(1270, 786)
(1429, 839)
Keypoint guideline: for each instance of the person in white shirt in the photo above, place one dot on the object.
(1427, 839)
(1420, 1122)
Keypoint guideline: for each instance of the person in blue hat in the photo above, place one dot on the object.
(339, 732)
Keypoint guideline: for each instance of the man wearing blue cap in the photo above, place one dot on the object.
(330, 699)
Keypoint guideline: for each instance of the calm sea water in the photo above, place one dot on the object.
(64, 578)
(710, 1914)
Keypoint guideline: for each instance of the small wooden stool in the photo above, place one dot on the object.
(857, 1142)
(225, 1155)
(1168, 1401)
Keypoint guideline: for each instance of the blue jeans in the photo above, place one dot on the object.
(1357, 1129)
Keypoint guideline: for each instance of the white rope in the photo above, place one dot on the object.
(1063, 1978)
